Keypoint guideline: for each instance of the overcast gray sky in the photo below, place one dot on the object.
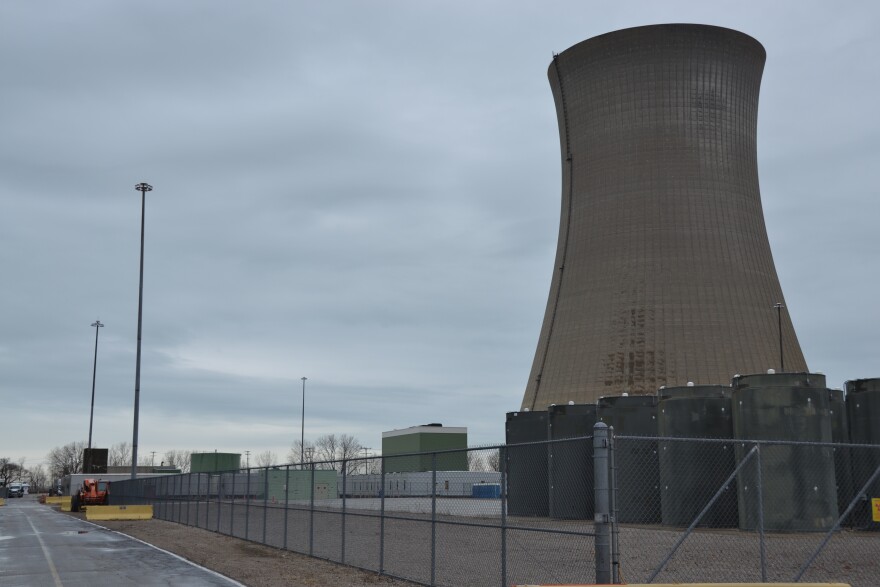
(362, 193)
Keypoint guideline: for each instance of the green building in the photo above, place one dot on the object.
(213, 462)
(299, 485)
(425, 439)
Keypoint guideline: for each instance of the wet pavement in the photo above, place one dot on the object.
(41, 546)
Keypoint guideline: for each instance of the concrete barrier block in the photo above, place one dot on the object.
(119, 512)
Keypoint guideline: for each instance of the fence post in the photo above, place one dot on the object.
(198, 497)
(612, 507)
(219, 491)
(232, 506)
(265, 500)
(502, 462)
(602, 519)
(312, 511)
(286, 498)
(760, 492)
(344, 491)
(382, 520)
(247, 505)
(433, 519)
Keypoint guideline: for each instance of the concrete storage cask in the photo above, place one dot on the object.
(526, 466)
(692, 472)
(797, 380)
(797, 481)
(842, 455)
(638, 470)
(863, 419)
(571, 461)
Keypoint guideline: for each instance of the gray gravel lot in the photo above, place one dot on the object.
(468, 548)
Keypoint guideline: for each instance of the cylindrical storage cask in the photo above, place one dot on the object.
(526, 464)
(638, 470)
(842, 455)
(863, 419)
(693, 471)
(571, 461)
(796, 481)
(760, 380)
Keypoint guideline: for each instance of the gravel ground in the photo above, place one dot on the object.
(252, 564)
(538, 550)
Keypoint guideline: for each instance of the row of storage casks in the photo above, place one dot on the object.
(804, 487)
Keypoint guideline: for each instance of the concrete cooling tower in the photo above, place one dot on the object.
(663, 270)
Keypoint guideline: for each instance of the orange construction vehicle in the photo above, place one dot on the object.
(92, 492)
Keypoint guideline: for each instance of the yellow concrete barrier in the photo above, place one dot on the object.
(120, 512)
(56, 499)
(65, 503)
(2, 501)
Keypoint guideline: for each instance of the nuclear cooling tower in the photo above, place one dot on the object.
(663, 270)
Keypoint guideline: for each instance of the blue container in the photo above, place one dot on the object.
(486, 490)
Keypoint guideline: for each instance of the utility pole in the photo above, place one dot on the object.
(779, 307)
(366, 449)
(143, 188)
(97, 326)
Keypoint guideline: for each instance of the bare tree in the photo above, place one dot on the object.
(178, 459)
(119, 454)
(493, 460)
(293, 455)
(332, 450)
(39, 478)
(66, 460)
(475, 461)
(9, 470)
(266, 459)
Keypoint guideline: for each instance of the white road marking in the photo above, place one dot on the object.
(55, 576)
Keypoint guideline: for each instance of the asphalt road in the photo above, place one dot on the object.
(41, 546)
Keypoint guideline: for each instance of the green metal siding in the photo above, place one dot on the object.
(300, 486)
(212, 462)
(423, 442)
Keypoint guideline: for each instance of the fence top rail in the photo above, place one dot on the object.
(744, 441)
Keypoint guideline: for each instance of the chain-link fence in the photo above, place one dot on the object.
(680, 510)
(693, 510)
(398, 516)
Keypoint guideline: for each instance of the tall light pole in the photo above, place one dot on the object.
(779, 307)
(97, 326)
(302, 429)
(143, 188)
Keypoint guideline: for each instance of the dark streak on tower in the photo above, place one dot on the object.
(663, 270)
